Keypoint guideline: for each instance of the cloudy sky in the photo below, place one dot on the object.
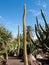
(11, 13)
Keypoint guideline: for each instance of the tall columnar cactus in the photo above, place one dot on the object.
(42, 33)
(18, 39)
(24, 37)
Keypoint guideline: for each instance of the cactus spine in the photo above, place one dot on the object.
(18, 39)
(24, 37)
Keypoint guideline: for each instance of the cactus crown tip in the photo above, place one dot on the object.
(36, 17)
(41, 10)
(25, 4)
(18, 25)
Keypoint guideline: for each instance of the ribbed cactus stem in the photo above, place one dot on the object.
(37, 21)
(18, 39)
(24, 36)
(42, 34)
(44, 18)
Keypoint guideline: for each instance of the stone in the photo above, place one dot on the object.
(39, 57)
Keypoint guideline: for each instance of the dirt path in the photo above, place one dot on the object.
(14, 61)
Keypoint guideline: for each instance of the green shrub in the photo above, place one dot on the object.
(30, 48)
(13, 49)
(21, 50)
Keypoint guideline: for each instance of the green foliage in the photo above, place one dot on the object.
(5, 38)
(13, 49)
(37, 51)
(30, 48)
(14, 43)
(5, 35)
(21, 50)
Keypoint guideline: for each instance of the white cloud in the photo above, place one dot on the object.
(39, 2)
(34, 12)
(0, 17)
(44, 5)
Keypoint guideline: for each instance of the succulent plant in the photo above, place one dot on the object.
(24, 37)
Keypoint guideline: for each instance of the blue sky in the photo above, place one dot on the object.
(11, 13)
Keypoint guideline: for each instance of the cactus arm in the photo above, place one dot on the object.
(37, 34)
(46, 46)
(37, 21)
(40, 34)
(44, 19)
(42, 29)
(38, 29)
(37, 46)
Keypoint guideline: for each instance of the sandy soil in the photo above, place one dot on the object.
(14, 61)
(17, 61)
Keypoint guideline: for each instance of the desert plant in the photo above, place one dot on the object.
(24, 37)
(29, 32)
(13, 48)
(21, 50)
(30, 48)
(42, 33)
(18, 39)
(5, 37)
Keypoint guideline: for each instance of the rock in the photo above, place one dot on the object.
(31, 57)
(39, 57)
(32, 60)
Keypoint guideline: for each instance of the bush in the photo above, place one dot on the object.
(30, 48)
(21, 50)
(13, 49)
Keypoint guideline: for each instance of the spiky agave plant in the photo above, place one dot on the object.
(24, 37)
